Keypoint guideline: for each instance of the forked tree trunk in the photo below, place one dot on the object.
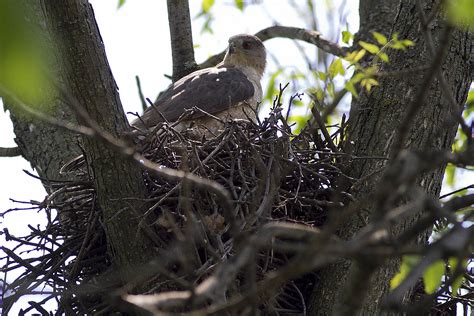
(375, 117)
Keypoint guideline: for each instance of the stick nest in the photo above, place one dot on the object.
(271, 175)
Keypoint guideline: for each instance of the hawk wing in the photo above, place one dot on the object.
(213, 90)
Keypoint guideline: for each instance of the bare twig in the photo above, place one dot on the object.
(140, 93)
(323, 128)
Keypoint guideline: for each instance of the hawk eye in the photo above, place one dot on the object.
(246, 45)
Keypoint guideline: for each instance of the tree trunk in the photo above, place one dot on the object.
(84, 69)
(374, 120)
(46, 147)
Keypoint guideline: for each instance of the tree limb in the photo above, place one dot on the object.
(182, 49)
(10, 151)
(89, 80)
(294, 33)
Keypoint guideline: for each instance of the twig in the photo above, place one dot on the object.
(323, 128)
(471, 186)
(140, 93)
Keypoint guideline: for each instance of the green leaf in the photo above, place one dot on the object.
(371, 48)
(469, 104)
(297, 103)
(239, 4)
(206, 27)
(395, 43)
(317, 93)
(336, 68)
(355, 56)
(300, 120)
(453, 265)
(380, 38)
(207, 5)
(330, 89)
(384, 57)
(456, 285)
(349, 86)
(408, 262)
(461, 12)
(322, 75)
(271, 85)
(368, 83)
(450, 174)
(407, 43)
(120, 4)
(357, 77)
(347, 36)
(433, 276)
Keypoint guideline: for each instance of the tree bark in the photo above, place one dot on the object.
(46, 147)
(88, 78)
(182, 49)
(374, 120)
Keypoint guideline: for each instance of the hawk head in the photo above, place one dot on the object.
(246, 51)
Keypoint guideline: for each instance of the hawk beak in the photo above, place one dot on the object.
(231, 47)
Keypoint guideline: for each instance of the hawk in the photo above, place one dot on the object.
(223, 91)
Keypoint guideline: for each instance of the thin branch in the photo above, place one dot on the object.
(10, 151)
(323, 128)
(140, 93)
(79, 129)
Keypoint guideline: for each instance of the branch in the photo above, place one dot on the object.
(10, 151)
(323, 128)
(140, 93)
(182, 48)
(308, 36)
(294, 33)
